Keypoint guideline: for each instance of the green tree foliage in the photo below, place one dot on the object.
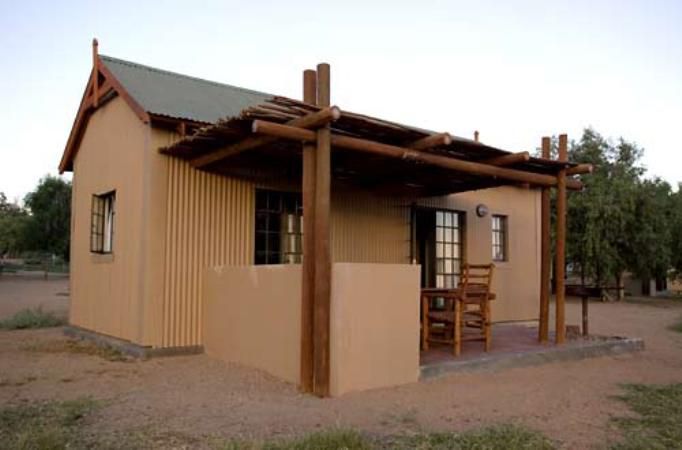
(676, 230)
(50, 216)
(13, 221)
(621, 221)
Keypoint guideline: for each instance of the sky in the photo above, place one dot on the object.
(514, 70)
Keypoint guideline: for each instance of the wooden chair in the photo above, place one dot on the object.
(471, 303)
(475, 294)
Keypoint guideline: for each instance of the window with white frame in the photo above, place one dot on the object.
(499, 237)
(449, 244)
(102, 222)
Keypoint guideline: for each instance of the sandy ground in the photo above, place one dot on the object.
(198, 398)
(19, 292)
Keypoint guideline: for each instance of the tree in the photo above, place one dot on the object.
(13, 221)
(48, 227)
(675, 206)
(620, 222)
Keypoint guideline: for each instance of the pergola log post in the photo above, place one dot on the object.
(392, 151)
(545, 254)
(308, 263)
(322, 247)
(560, 263)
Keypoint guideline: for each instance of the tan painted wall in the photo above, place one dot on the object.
(173, 222)
(374, 333)
(516, 281)
(252, 316)
(106, 290)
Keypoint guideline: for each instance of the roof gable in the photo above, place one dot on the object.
(179, 96)
(150, 91)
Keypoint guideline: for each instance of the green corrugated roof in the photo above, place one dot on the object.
(180, 96)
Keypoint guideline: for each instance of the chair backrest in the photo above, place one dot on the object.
(476, 279)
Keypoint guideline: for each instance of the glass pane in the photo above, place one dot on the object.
(455, 249)
(439, 234)
(448, 251)
(439, 218)
(439, 250)
(440, 265)
(260, 242)
(448, 219)
(448, 266)
(273, 242)
(439, 280)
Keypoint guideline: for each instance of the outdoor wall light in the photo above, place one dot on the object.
(481, 210)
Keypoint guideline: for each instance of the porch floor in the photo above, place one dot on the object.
(507, 338)
(516, 345)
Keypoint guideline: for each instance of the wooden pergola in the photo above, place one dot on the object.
(285, 138)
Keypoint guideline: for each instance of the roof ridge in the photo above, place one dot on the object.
(180, 75)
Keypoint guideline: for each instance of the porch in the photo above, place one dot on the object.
(317, 149)
(517, 345)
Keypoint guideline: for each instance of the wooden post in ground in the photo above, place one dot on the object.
(586, 326)
(560, 263)
(545, 252)
(308, 264)
(322, 248)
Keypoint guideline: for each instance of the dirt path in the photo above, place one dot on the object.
(195, 396)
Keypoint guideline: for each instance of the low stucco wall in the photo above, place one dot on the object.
(374, 326)
(252, 317)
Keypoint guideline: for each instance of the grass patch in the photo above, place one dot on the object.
(79, 347)
(500, 437)
(44, 425)
(658, 424)
(329, 440)
(32, 318)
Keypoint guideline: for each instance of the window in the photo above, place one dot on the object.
(279, 224)
(499, 238)
(102, 223)
(448, 247)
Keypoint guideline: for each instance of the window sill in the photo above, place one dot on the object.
(102, 258)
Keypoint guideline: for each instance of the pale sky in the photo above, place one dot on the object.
(515, 70)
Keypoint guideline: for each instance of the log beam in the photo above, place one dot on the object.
(435, 140)
(560, 263)
(323, 275)
(545, 253)
(580, 169)
(311, 120)
(363, 145)
(507, 160)
(308, 263)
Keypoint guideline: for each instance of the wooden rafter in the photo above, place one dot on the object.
(435, 140)
(508, 160)
(351, 143)
(311, 120)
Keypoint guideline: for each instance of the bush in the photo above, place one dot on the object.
(32, 318)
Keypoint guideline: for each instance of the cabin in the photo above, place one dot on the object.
(291, 235)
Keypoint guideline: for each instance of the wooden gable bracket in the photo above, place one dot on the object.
(93, 97)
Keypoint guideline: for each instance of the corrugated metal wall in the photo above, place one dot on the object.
(369, 229)
(210, 223)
